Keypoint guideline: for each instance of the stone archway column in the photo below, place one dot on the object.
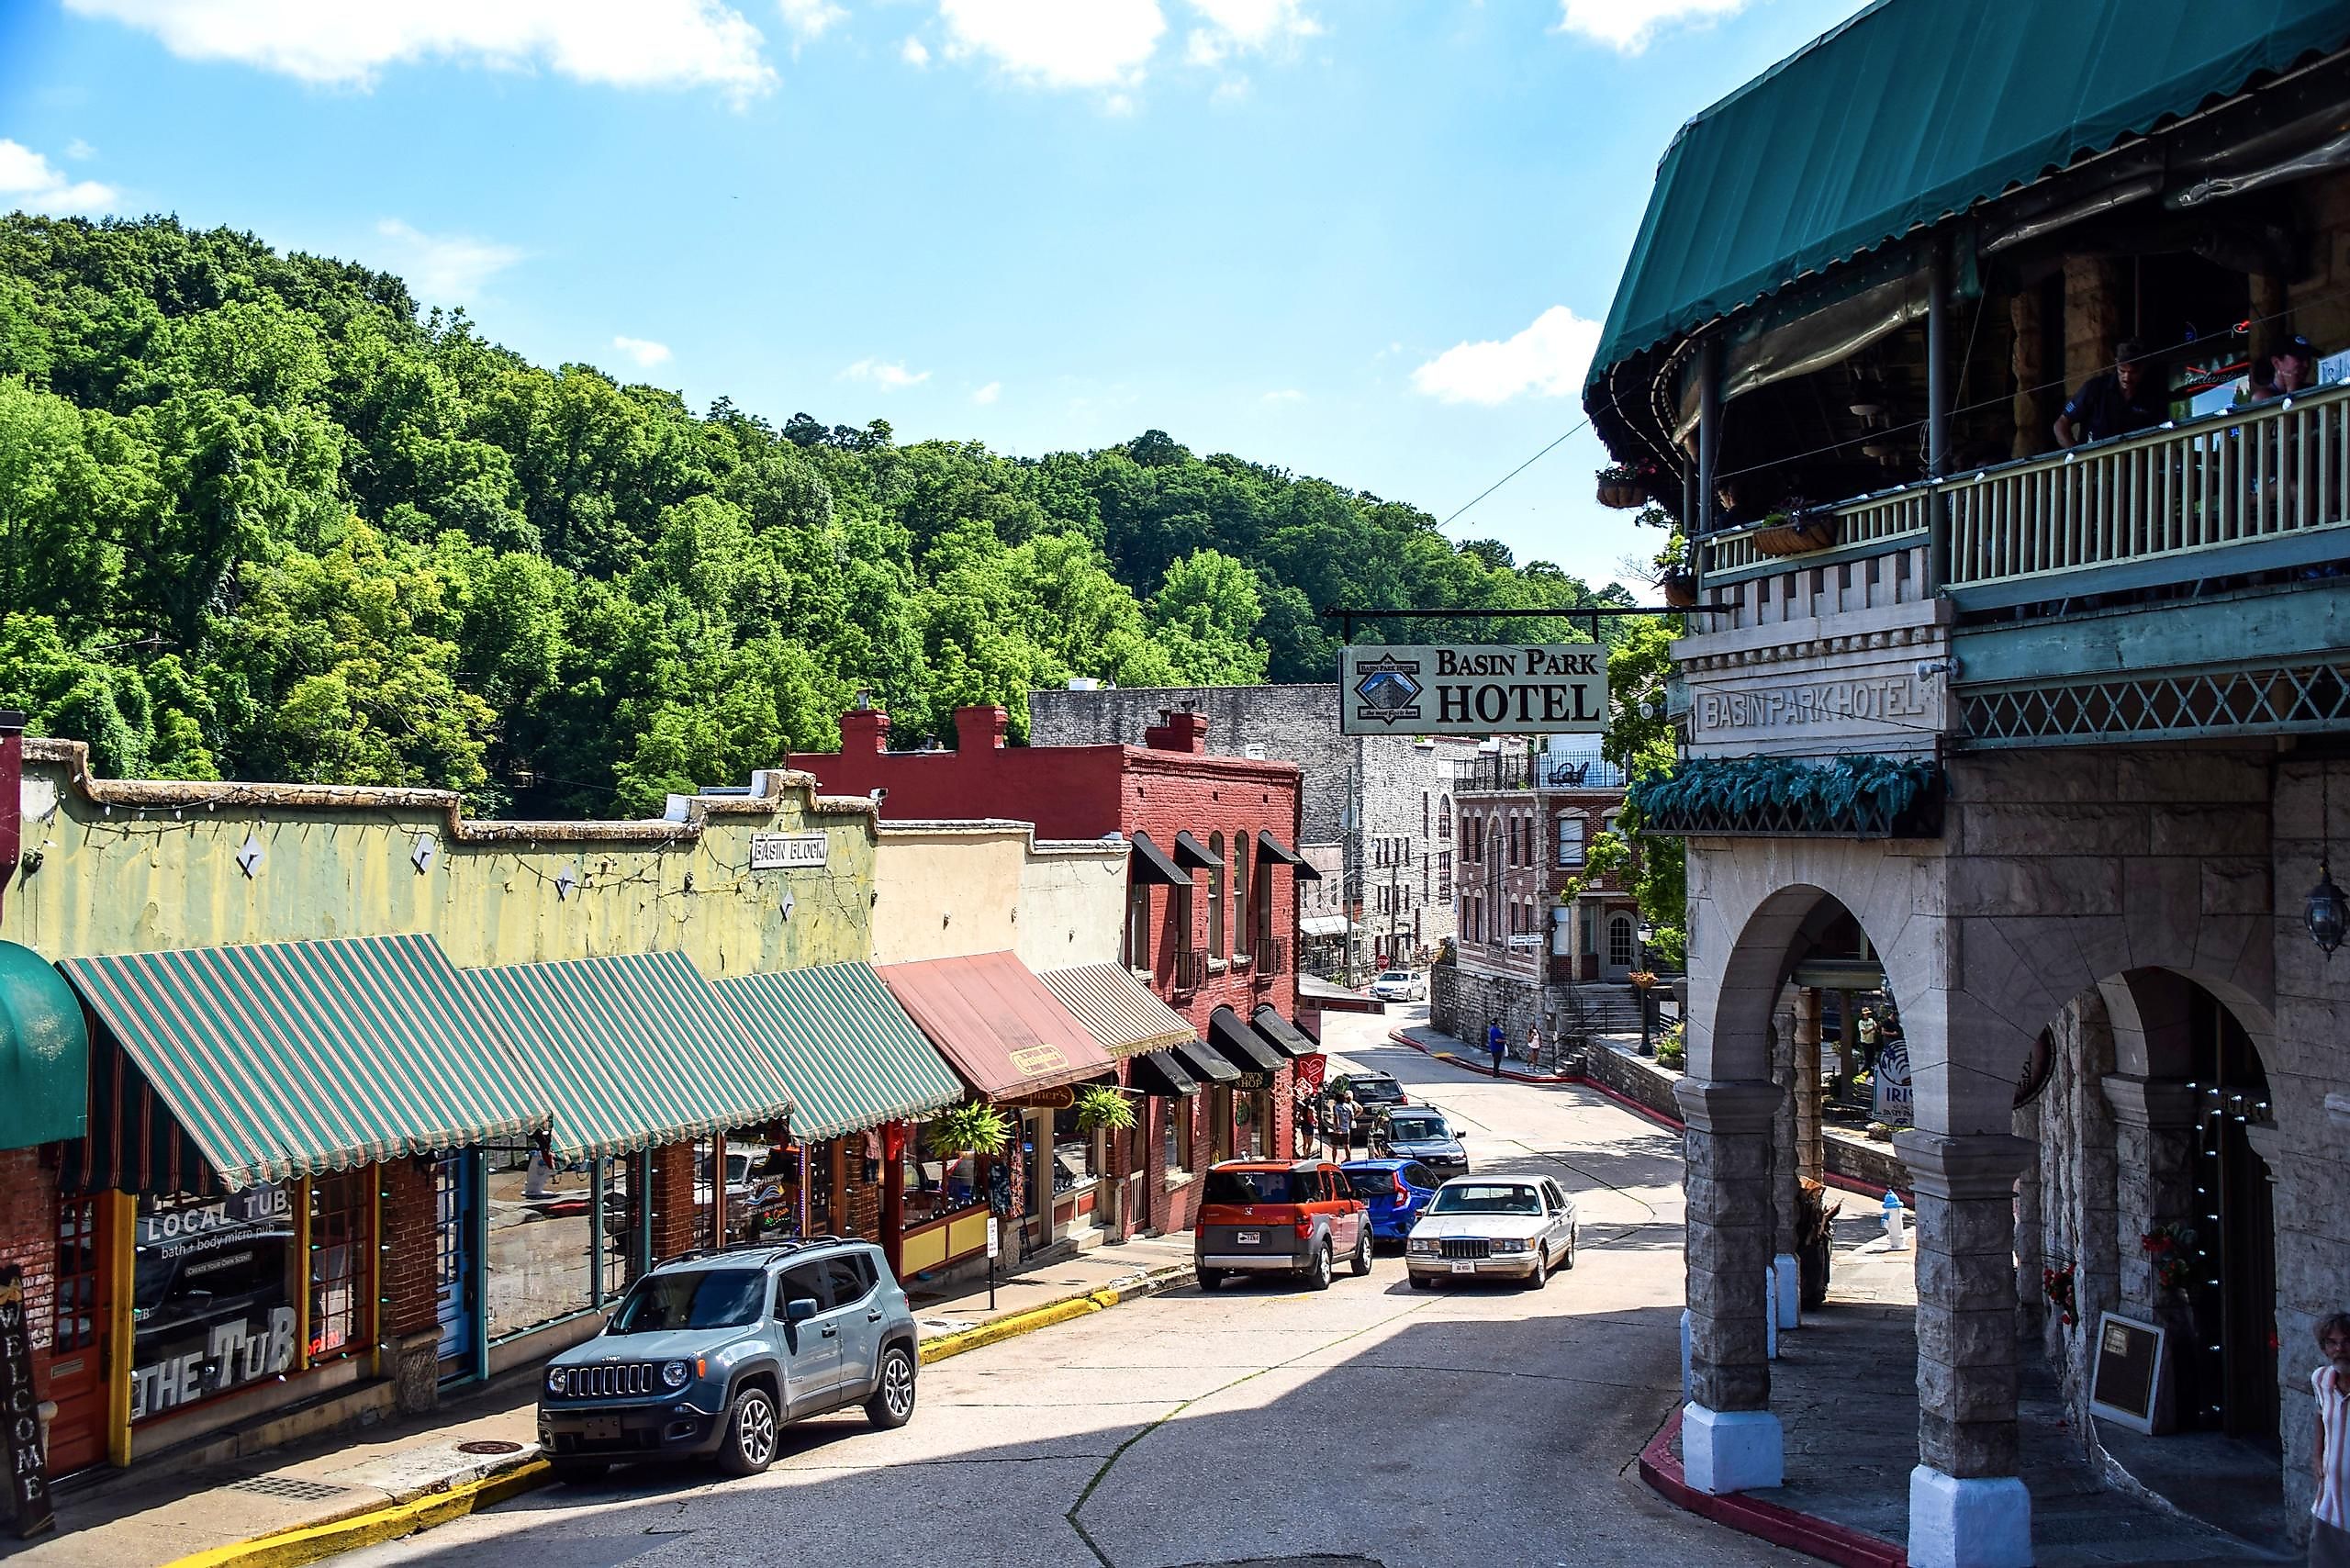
(2154, 1122)
(1730, 1439)
(1787, 1291)
(1968, 1508)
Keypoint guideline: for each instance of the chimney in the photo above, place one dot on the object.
(12, 793)
(863, 732)
(1178, 731)
(980, 729)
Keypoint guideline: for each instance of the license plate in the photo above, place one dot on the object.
(603, 1430)
(1464, 1268)
(1249, 1237)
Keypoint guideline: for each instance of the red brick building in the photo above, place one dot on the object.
(1212, 904)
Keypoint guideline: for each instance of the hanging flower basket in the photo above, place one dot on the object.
(2056, 1284)
(1785, 535)
(1621, 488)
(1680, 590)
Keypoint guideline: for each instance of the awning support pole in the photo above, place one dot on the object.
(1709, 453)
(1937, 407)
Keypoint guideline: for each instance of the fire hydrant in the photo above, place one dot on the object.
(1894, 1213)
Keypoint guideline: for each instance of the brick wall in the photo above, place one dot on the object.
(29, 1237)
(672, 1200)
(410, 1262)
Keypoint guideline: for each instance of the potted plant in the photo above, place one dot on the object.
(1102, 1108)
(1680, 589)
(1642, 978)
(970, 1129)
(1620, 487)
(1798, 534)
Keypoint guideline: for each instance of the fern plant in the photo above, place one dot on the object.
(1101, 1108)
(970, 1129)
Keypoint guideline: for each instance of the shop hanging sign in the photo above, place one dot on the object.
(789, 851)
(1473, 689)
(21, 1401)
(1894, 1099)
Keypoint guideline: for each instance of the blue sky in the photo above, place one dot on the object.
(1369, 240)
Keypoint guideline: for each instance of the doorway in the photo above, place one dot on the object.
(454, 1283)
(2229, 1370)
(77, 1384)
(1620, 946)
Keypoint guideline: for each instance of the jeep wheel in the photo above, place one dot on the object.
(578, 1472)
(1360, 1261)
(892, 1403)
(1317, 1273)
(752, 1433)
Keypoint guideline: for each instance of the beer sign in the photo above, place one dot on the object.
(1551, 688)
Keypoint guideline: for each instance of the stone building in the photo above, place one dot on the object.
(1384, 801)
(2049, 745)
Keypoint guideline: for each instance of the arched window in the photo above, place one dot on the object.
(1215, 895)
(1443, 816)
(1240, 891)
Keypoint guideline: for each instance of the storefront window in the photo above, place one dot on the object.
(1074, 1165)
(620, 1234)
(213, 1303)
(937, 1187)
(342, 1286)
(540, 1259)
(763, 1185)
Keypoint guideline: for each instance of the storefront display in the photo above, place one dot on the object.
(214, 1296)
(539, 1264)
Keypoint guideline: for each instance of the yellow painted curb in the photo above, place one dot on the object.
(1017, 1324)
(288, 1549)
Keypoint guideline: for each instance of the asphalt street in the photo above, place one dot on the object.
(1259, 1424)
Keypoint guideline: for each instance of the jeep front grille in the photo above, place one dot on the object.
(607, 1382)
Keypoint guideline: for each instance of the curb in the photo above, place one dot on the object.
(371, 1526)
(1807, 1533)
(1465, 1065)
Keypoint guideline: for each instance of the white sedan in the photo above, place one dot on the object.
(1400, 985)
(1521, 1228)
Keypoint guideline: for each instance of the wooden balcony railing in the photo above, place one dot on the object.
(1271, 955)
(2167, 503)
(1190, 968)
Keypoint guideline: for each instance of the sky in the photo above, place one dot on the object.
(1370, 241)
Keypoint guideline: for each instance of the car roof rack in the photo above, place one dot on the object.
(773, 1249)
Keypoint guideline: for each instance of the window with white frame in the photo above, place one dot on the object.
(1571, 829)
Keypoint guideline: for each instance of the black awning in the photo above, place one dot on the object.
(1204, 1062)
(1241, 1045)
(1151, 865)
(1285, 1035)
(1158, 1073)
(1190, 851)
(1281, 852)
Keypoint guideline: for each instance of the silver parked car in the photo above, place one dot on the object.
(1517, 1227)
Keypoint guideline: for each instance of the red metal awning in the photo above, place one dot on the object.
(996, 1024)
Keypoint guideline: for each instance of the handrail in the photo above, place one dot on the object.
(2261, 471)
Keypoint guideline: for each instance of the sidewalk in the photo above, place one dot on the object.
(338, 1492)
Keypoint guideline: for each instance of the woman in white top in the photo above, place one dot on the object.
(2330, 1526)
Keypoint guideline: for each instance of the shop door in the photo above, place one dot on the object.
(1620, 952)
(453, 1235)
(77, 1368)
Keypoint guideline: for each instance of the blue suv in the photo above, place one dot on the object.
(711, 1353)
(1396, 1190)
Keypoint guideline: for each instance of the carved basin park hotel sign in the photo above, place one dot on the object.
(1478, 689)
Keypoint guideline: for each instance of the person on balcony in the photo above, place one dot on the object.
(2291, 368)
(2114, 402)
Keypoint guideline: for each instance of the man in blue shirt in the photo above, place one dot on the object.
(1494, 1043)
(2117, 402)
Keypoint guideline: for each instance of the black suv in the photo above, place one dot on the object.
(713, 1351)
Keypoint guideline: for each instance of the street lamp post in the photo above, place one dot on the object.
(1640, 935)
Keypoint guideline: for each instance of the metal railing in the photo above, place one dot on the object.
(1271, 956)
(1540, 771)
(2263, 472)
(1190, 968)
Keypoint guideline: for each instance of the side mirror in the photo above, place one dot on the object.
(800, 1309)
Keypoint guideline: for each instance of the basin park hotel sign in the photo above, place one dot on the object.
(1415, 689)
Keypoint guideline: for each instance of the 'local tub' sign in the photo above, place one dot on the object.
(1549, 689)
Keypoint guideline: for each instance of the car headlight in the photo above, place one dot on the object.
(1424, 1244)
(558, 1381)
(1506, 1244)
(676, 1373)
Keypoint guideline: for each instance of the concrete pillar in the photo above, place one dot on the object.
(1967, 1506)
(1811, 1153)
(2093, 322)
(1730, 1439)
(2031, 1299)
(1786, 1291)
(2153, 1131)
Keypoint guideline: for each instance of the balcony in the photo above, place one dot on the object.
(1271, 959)
(1488, 775)
(2191, 581)
(1191, 969)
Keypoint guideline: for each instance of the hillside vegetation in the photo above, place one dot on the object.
(262, 517)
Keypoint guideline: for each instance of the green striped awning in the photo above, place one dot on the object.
(835, 1035)
(290, 1058)
(636, 1050)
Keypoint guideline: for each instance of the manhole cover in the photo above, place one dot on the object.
(489, 1445)
(291, 1487)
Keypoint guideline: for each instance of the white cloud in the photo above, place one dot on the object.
(645, 351)
(912, 52)
(1627, 26)
(1547, 358)
(888, 375)
(1286, 395)
(445, 268)
(79, 149)
(810, 19)
(30, 183)
(988, 394)
(1057, 43)
(626, 43)
(1234, 25)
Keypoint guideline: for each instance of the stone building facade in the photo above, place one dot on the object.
(1384, 801)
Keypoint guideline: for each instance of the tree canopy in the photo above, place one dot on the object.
(262, 515)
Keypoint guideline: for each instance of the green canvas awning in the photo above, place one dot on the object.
(44, 1052)
(843, 1046)
(635, 1049)
(291, 1058)
(1913, 110)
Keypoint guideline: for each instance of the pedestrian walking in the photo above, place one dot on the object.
(2330, 1454)
(1342, 1127)
(1495, 1044)
(1533, 1046)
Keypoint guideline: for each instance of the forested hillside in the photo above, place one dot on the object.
(261, 516)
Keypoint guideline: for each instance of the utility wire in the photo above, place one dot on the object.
(1580, 428)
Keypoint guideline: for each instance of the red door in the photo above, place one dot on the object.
(77, 1383)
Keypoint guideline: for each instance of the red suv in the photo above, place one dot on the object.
(1298, 1215)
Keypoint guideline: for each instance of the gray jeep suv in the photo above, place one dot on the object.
(713, 1351)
